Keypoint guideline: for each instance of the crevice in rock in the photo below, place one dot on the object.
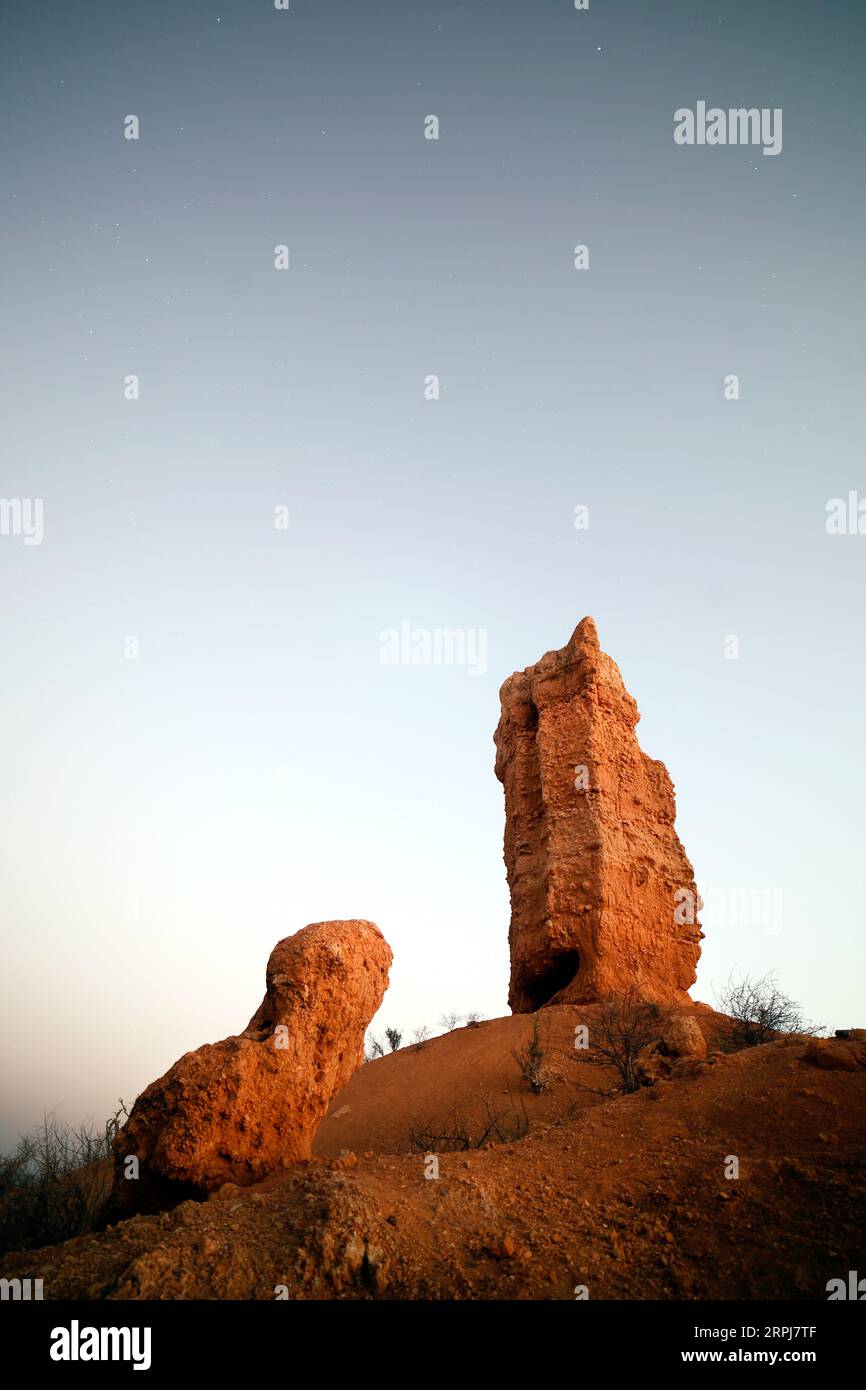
(561, 971)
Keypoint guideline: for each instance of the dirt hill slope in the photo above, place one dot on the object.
(466, 1075)
(626, 1197)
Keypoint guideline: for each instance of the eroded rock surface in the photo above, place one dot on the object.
(237, 1110)
(845, 1052)
(603, 897)
(678, 1052)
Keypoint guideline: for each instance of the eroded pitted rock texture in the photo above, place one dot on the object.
(603, 897)
(237, 1110)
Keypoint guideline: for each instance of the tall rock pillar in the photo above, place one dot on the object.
(603, 897)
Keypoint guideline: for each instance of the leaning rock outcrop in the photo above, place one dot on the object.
(603, 897)
(237, 1110)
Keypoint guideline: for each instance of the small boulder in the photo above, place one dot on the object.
(681, 1040)
(682, 1037)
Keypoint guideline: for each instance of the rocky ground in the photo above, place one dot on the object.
(623, 1197)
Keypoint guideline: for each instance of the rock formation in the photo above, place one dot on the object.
(603, 897)
(845, 1052)
(237, 1110)
(678, 1052)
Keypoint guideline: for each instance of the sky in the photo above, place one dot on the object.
(238, 477)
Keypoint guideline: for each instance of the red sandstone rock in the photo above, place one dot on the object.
(237, 1110)
(603, 897)
(832, 1054)
(682, 1037)
(678, 1053)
